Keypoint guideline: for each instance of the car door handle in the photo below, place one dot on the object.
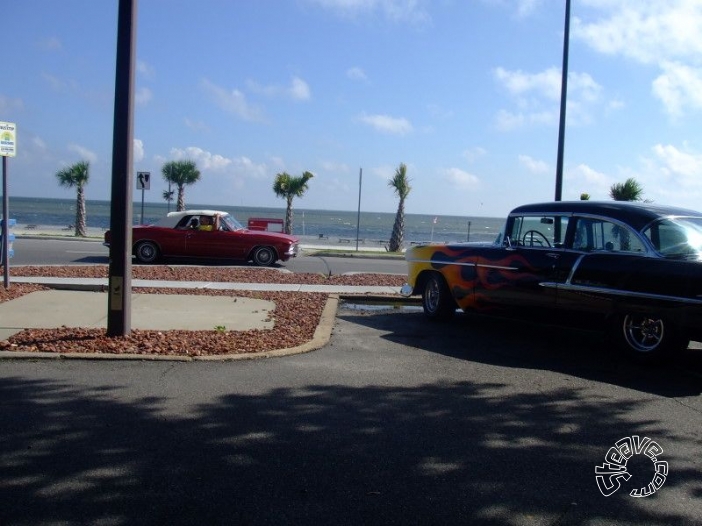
(553, 255)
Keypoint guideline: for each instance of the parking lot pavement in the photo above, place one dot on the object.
(395, 421)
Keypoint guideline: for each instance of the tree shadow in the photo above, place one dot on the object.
(529, 345)
(92, 260)
(440, 453)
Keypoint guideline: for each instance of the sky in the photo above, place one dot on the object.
(465, 93)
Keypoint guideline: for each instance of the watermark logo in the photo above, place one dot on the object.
(610, 474)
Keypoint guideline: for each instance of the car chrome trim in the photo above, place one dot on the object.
(617, 292)
(471, 264)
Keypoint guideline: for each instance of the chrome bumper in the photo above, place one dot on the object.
(406, 290)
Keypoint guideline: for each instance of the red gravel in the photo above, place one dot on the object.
(296, 314)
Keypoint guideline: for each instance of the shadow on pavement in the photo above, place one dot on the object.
(446, 453)
(522, 344)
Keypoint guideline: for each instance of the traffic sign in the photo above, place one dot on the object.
(8, 139)
(143, 180)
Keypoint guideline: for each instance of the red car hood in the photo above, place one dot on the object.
(277, 236)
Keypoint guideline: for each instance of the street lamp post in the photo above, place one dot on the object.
(564, 96)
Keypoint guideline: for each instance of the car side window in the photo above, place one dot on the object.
(538, 231)
(596, 234)
(184, 223)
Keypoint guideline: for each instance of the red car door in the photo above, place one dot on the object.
(214, 244)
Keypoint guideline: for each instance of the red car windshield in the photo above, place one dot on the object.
(230, 223)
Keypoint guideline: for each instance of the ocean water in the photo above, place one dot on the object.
(373, 226)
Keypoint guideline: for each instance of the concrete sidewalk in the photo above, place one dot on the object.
(84, 303)
(49, 309)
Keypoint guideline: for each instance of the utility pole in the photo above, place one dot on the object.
(358, 215)
(119, 308)
(564, 97)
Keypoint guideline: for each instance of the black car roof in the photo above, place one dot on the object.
(636, 214)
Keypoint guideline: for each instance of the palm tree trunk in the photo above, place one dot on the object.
(289, 217)
(398, 229)
(80, 212)
(181, 198)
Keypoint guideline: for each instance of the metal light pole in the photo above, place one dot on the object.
(564, 96)
(358, 215)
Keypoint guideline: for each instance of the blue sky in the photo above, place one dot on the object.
(466, 93)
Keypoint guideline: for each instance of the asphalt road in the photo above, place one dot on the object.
(35, 251)
(396, 421)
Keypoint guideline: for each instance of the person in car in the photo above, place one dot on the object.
(208, 223)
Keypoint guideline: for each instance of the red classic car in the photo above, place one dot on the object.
(633, 269)
(208, 234)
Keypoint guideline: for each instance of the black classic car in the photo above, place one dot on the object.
(633, 269)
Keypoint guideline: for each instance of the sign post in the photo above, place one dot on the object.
(8, 148)
(143, 182)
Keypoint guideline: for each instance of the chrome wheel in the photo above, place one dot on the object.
(649, 338)
(643, 333)
(264, 256)
(146, 252)
(436, 298)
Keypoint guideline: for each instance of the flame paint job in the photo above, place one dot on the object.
(471, 271)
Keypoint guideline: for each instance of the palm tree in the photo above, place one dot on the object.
(288, 187)
(168, 197)
(630, 190)
(400, 184)
(76, 175)
(181, 173)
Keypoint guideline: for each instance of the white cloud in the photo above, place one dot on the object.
(138, 150)
(204, 159)
(334, 167)
(507, 121)
(385, 172)
(143, 96)
(546, 83)
(198, 126)
(678, 87)
(526, 7)
(59, 85)
(298, 89)
(39, 143)
(387, 124)
(584, 179)
(356, 74)
(533, 165)
(395, 10)
(667, 34)
(537, 96)
(243, 166)
(232, 169)
(473, 154)
(7, 103)
(232, 101)
(83, 152)
(684, 167)
(461, 179)
(51, 44)
(144, 68)
(647, 31)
